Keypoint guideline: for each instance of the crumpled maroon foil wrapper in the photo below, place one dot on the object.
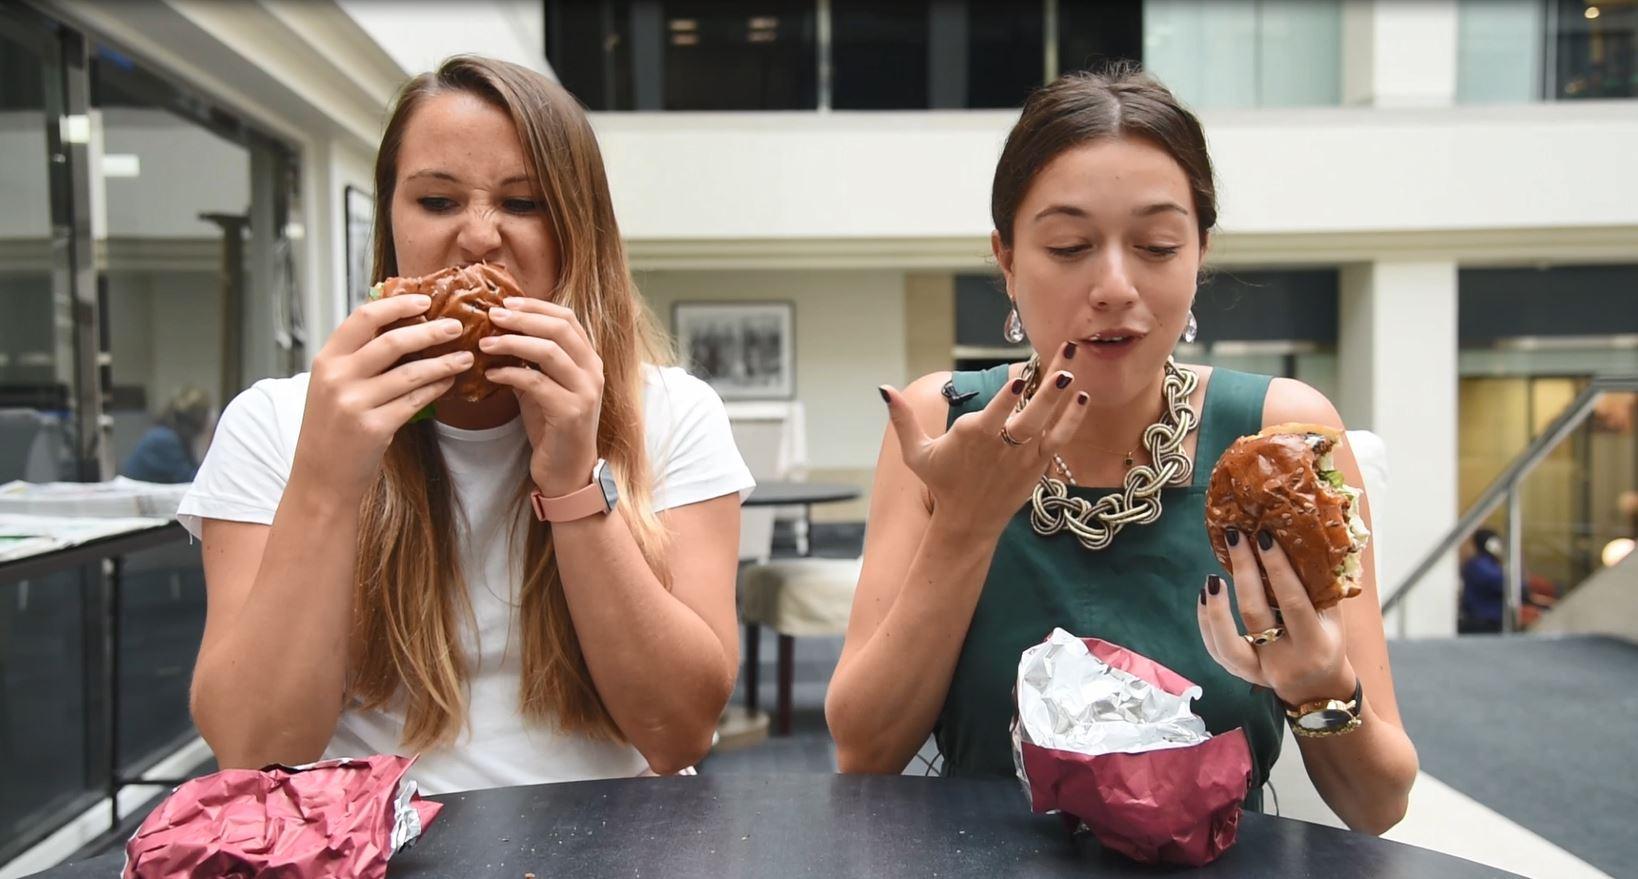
(1172, 804)
(334, 818)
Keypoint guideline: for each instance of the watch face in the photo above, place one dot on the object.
(605, 481)
(1324, 719)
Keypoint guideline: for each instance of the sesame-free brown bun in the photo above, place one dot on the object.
(465, 293)
(1282, 481)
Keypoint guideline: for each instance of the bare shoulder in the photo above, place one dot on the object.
(1291, 401)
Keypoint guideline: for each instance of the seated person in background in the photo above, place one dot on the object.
(166, 452)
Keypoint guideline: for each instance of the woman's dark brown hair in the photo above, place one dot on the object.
(1078, 108)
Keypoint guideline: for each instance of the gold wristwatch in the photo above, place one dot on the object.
(1328, 717)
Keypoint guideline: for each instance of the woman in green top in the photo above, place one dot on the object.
(1103, 204)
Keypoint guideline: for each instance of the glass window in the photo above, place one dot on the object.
(36, 338)
(173, 271)
(1499, 51)
(879, 55)
(1005, 54)
(738, 55)
(1596, 49)
(686, 54)
(1246, 53)
(1091, 35)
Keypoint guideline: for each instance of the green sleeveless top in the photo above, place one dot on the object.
(1141, 593)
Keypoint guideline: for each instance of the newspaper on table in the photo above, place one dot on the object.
(117, 498)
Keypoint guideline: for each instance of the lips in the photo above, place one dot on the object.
(1112, 343)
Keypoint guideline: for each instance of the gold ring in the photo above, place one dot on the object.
(1011, 440)
(1265, 637)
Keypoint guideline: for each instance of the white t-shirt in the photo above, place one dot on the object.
(692, 452)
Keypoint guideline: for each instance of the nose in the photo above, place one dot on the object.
(480, 238)
(1112, 288)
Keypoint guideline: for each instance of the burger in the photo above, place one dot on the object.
(1285, 481)
(465, 293)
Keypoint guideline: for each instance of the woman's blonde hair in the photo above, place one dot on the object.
(411, 603)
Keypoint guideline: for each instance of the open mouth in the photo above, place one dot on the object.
(1116, 340)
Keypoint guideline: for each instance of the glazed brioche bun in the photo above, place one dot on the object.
(465, 293)
(1284, 481)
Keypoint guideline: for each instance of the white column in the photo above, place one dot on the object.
(1399, 53)
(1397, 377)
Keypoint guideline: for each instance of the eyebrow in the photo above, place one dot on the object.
(445, 175)
(1148, 210)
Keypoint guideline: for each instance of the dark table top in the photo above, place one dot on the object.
(768, 494)
(829, 825)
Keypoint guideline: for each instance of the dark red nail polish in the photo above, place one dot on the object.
(1082, 397)
(885, 398)
(1265, 541)
(1214, 583)
(1017, 386)
(1064, 379)
(1232, 535)
(1069, 350)
(1202, 596)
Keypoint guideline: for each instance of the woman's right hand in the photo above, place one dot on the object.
(357, 399)
(975, 472)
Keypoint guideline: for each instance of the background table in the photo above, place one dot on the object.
(830, 825)
(111, 550)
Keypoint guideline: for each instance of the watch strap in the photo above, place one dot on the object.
(567, 508)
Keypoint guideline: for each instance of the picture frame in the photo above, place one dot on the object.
(744, 350)
(358, 208)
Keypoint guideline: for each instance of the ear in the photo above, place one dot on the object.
(1003, 258)
(1205, 248)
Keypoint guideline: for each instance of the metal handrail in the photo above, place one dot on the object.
(1505, 489)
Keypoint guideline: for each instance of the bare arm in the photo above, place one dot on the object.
(662, 661)
(917, 589)
(937, 510)
(1364, 776)
(269, 681)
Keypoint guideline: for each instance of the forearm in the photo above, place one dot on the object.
(661, 670)
(885, 698)
(271, 688)
(1364, 776)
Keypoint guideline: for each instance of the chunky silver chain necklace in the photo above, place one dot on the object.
(1095, 524)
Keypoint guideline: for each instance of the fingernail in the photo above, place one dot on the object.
(1232, 535)
(452, 327)
(512, 302)
(1063, 381)
(486, 342)
(885, 398)
(1265, 541)
(421, 301)
(464, 358)
(1214, 583)
(1082, 397)
(499, 312)
(1202, 596)
(1017, 386)
(1069, 350)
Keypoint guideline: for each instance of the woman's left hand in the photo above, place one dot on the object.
(560, 394)
(1309, 661)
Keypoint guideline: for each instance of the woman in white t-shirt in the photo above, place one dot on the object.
(380, 583)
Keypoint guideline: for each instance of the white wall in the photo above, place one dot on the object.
(419, 35)
(679, 177)
(849, 339)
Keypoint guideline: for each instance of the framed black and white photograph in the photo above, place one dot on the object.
(360, 224)
(744, 350)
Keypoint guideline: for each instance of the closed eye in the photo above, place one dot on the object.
(1162, 251)
(521, 205)
(1068, 252)
(436, 204)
